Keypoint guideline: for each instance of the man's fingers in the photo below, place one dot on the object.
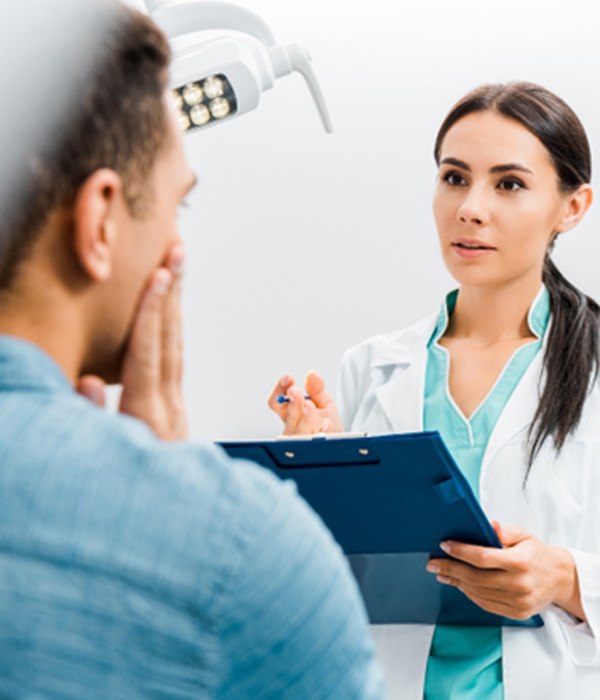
(171, 333)
(152, 364)
(175, 260)
(93, 388)
(142, 363)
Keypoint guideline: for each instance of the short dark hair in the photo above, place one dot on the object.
(118, 122)
(572, 356)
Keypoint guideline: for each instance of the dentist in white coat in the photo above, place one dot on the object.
(506, 371)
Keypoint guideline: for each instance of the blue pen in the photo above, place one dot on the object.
(284, 399)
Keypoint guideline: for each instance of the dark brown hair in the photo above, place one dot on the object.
(118, 122)
(571, 359)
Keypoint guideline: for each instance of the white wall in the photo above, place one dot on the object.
(301, 244)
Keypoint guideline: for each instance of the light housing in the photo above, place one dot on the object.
(215, 79)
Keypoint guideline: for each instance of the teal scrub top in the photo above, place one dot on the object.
(465, 663)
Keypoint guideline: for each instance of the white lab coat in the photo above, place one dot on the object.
(381, 390)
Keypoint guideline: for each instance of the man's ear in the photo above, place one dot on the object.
(576, 205)
(96, 222)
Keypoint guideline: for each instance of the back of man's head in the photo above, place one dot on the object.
(116, 121)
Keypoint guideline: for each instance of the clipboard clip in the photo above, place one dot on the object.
(292, 455)
(450, 490)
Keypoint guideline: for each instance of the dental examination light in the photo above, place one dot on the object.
(215, 79)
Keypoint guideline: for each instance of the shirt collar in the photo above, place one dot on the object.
(538, 316)
(24, 365)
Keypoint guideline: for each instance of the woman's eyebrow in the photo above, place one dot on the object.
(503, 168)
(455, 161)
(510, 166)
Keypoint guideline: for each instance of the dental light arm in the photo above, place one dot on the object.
(219, 78)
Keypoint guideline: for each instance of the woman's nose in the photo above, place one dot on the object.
(473, 210)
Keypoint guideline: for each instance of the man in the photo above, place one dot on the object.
(132, 565)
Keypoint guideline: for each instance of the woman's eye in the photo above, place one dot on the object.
(453, 179)
(511, 185)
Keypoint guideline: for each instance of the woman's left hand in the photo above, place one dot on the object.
(517, 581)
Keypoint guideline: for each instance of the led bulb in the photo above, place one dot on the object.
(219, 108)
(184, 121)
(200, 115)
(193, 94)
(178, 100)
(196, 107)
(213, 87)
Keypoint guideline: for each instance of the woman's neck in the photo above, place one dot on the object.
(487, 315)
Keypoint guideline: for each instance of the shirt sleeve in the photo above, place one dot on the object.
(292, 624)
(347, 389)
(583, 638)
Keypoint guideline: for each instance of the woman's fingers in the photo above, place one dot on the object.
(280, 390)
(326, 426)
(516, 603)
(520, 580)
(323, 400)
(305, 413)
(499, 607)
(315, 388)
(300, 418)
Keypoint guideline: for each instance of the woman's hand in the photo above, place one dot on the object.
(313, 411)
(151, 370)
(517, 581)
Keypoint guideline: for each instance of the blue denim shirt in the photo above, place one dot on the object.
(135, 568)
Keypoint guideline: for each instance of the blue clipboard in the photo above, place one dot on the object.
(389, 501)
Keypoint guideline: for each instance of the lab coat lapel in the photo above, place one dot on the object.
(400, 397)
(519, 410)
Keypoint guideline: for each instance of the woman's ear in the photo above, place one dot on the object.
(576, 205)
(96, 217)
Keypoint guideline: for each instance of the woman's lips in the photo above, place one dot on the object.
(471, 248)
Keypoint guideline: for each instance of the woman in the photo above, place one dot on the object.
(506, 371)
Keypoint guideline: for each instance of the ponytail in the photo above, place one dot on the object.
(571, 361)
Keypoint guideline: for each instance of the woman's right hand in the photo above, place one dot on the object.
(305, 413)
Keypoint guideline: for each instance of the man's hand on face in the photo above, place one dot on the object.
(152, 367)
